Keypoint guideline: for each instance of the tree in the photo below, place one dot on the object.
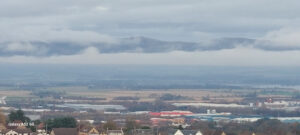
(110, 125)
(145, 127)
(131, 124)
(63, 122)
(180, 127)
(271, 127)
(2, 118)
(18, 115)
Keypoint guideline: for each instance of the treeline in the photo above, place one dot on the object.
(43, 93)
(65, 122)
(169, 97)
(19, 116)
(126, 98)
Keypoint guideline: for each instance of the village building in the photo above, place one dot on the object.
(143, 132)
(2, 126)
(115, 132)
(64, 131)
(16, 132)
(185, 132)
(89, 130)
(40, 129)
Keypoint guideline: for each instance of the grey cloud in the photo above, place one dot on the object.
(129, 18)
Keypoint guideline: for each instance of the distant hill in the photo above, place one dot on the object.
(131, 44)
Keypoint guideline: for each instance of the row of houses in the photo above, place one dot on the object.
(23, 130)
(16, 132)
(59, 131)
(94, 131)
(90, 130)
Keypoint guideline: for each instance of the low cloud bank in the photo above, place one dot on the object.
(141, 45)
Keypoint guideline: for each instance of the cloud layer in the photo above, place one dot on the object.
(55, 28)
(62, 45)
(229, 57)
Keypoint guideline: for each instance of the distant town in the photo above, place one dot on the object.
(150, 112)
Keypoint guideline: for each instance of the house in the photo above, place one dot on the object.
(16, 132)
(2, 126)
(143, 132)
(219, 132)
(89, 131)
(64, 131)
(114, 132)
(40, 129)
(185, 132)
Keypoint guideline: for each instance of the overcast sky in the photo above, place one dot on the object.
(83, 23)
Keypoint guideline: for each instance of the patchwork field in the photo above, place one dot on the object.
(184, 95)
(151, 95)
(15, 93)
